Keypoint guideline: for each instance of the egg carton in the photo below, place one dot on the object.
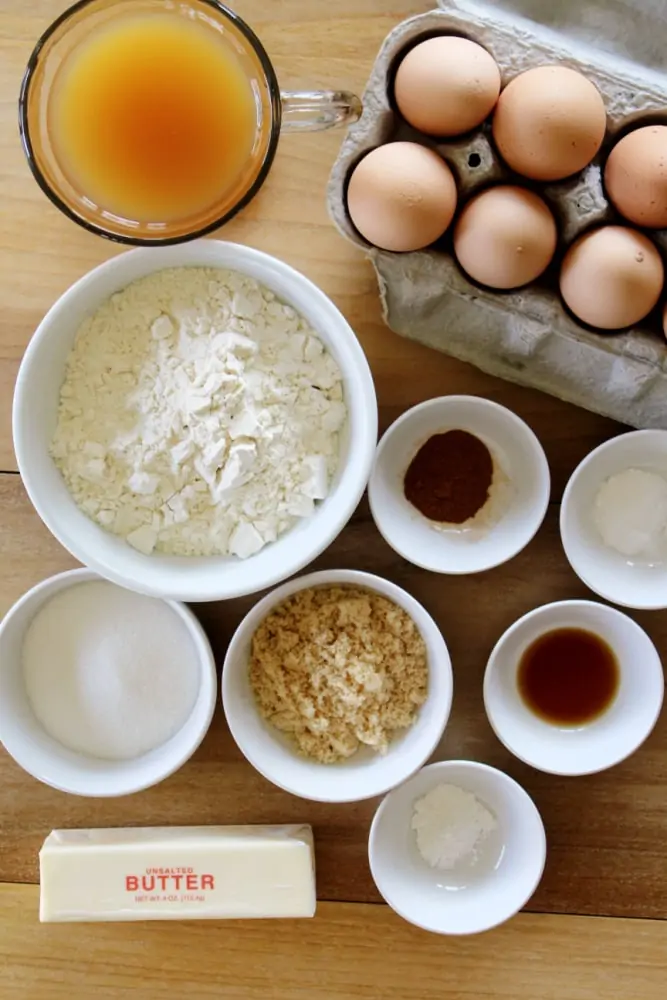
(525, 336)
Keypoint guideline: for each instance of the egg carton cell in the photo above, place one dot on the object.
(474, 162)
(526, 336)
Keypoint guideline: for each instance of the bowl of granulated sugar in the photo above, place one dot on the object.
(103, 692)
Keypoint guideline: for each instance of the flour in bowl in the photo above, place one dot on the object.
(199, 415)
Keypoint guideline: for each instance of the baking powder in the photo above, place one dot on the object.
(109, 673)
(450, 823)
(630, 512)
(199, 415)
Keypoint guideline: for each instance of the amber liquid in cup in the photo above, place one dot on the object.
(153, 122)
(154, 117)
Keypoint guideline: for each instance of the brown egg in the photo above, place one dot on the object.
(446, 85)
(612, 277)
(549, 123)
(505, 237)
(636, 176)
(401, 196)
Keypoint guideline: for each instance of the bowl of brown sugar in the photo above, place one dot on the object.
(459, 485)
(337, 686)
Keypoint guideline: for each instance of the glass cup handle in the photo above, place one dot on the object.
(314, 110)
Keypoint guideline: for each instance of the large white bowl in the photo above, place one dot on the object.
(190, 579)
(608, 739)
(49, 761)
(366, 773)
(630, 583)
(520, 512)
(468, 899)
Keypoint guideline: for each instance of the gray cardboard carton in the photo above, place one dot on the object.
(526, 336)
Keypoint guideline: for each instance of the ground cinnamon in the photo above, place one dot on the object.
(449, 478)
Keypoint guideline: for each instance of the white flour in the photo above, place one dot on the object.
(450, 823)
(199, 415)
(109, 673)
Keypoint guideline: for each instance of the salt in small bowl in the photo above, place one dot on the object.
(478, 893)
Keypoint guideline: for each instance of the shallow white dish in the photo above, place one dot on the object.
(632, 584)
(521, 505)
(49, 761)
(366, 773)
(605, 741)
(192, 579)
(472, 897)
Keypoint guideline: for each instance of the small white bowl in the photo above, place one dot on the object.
(606, 572)
(605, 741)
(520, 507)
(366, 773)
(49, 761)
(470, 898)
(189, 579)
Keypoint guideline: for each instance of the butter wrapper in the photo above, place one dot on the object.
(177, 873)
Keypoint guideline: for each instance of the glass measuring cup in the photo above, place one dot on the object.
(275, 111)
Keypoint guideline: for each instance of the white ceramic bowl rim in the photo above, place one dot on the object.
(500, 894)
(201, 579)
(614, 580)
(366, 774)
(607, 740)
(412, 536)
(63, 769)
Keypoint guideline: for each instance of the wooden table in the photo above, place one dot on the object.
(606, 833)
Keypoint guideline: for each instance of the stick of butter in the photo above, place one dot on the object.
(176, 873)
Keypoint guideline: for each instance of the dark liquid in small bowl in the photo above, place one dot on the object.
(568, 676)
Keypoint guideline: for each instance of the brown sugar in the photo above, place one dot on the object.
(339, 667)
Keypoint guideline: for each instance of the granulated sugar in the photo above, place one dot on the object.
(109, 673)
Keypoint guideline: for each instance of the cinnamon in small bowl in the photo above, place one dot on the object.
(459, 485)
(451, 478)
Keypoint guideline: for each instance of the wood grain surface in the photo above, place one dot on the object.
(606, 833)
(345, 953)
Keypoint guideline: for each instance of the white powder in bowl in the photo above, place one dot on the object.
(199, 415)
(630, 512)
(450, 823)
(109, 673)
